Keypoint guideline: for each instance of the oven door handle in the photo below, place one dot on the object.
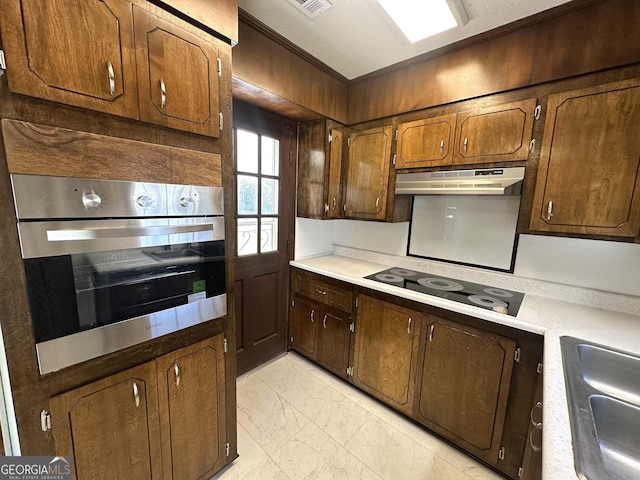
(96, 233)
(62, 237)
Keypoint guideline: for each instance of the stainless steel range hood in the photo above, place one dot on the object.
(490, 181)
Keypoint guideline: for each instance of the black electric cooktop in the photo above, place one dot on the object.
(483, 296)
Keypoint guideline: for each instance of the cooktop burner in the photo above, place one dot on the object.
(484, 296)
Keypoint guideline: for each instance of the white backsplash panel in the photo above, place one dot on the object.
(468, 229)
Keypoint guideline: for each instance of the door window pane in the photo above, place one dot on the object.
(247, 195)
(247, 236)
(268, 234)
(269, 194)
(247, 151)
(270, 156)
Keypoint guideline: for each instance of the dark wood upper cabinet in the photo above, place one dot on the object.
(110, 427)
(320, 170)
(77, 52)
(426, 143)
(219, 15)
(589, 174)
(177, 76)
(494, 134)
(466, 374)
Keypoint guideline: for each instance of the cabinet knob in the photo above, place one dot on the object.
(112, 78)
(163, 94)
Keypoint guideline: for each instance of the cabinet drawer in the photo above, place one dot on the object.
(331, 295)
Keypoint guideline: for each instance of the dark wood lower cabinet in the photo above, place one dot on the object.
(321, 334)
(386, 351)
(164, 419)
(110, 427)
(464, 385)
(470, 381)
(191, 393)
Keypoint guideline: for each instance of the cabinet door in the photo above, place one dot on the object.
(333, 350)
(77, 52)
(532, 458)
(304, 327)
(177, 76)
(110, 427)
(191, 392)
(425, 143)
(588, 179)
(335, 187)
(494, 134)
(466, 376)
(368, 173)
(386, 350)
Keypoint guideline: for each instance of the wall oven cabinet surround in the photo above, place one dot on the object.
(113, 57)
(110, 264)
(492, 134)
(589, 175)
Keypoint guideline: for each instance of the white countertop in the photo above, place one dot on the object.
(545, 316)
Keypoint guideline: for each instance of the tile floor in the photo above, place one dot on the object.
(296, 421)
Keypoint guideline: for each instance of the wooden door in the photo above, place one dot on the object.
(177, 76)
(368, 168)
(466, 374)
(588, 179)
(77, 52)
(494, 134)
(334, 336)
(110, 427)
(264, 215)
(426, 143)
(386, 350)
(191, 392)
(303, 328)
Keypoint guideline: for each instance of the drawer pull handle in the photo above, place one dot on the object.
(324, 321)
(136, 395)
(431, 329)
(536, 408)
(550, 210)
(409, 326)
(177, 370)
(321, 292)
(313, 314)
(466, 144)
(441, 147)
(112, 78)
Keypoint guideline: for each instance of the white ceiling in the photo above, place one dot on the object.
(356, 37)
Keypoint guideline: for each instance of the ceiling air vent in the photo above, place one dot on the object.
(311, 8)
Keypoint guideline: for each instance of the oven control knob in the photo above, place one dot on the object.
(91, 200)
(186, 202)
(145, 201)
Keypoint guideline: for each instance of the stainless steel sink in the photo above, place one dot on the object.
(603, 390)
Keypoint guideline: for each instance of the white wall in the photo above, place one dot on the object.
(608, 266)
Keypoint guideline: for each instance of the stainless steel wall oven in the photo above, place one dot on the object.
(110, 264)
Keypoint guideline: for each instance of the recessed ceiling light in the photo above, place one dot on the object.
(419, 20)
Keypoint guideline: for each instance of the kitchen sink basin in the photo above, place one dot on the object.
(603, 393)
